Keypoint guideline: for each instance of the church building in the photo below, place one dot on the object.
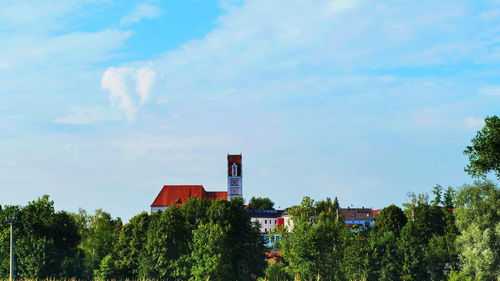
(176, 195)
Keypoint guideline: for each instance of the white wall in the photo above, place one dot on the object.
(266, 224)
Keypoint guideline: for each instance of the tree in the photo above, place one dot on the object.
(46, 241)
(484, 153)
(129, 247)
(385, 259)
(449, 197)
(477, 219)
(246, 256)
(315, 246)
(209, 250)
(99, 232)
(390, 219)
(106, 270)
(260, 203)
(437, 191)
(167, 242)
(412, 245)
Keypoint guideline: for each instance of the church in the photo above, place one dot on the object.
(176, 195)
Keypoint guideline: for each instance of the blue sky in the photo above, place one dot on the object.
(103, 102)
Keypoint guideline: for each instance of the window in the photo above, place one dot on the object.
(265, 229)
(265, 221)
(235, 170)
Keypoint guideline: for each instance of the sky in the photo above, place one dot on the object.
(102, 102)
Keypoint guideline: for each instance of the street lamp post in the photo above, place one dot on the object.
(12, 269)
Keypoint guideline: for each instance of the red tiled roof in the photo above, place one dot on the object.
(178, 194)
(216, 195)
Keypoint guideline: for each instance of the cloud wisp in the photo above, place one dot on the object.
(141, 11)
(118, 81)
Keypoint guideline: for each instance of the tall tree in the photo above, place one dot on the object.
(437, 191)
(260, 203)
(390, 219)
(129, 247)
(484, 153)
(449, 197)
(167, 243)
(478, 221)
(99, 233)
(412, 246)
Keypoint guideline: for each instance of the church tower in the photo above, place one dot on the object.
(234, 176)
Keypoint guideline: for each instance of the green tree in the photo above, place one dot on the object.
(275, 271)
(99, 233)
(260, 203)
(484, 153)
(357, 257)
(437, 191)
(315, 245)
(129, 247)
(412, 246)
(209, 250)
(46, 241)
(246, 256)
(449, 197)
(390, 219)
(106, 269)
(385, 259)
(477, 218)
(167, 242)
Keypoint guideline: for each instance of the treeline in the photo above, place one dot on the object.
(203, 239)
(454, 236)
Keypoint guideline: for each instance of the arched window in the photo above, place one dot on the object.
(235, 170)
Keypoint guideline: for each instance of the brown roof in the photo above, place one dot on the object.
(356, 213)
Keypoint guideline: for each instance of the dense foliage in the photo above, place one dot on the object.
(213, 240)
(484, 153)
(260, 203)
(454, 236)
(428, 240)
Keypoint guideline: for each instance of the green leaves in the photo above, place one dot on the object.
(484, 153)
(477, 215)
(260, 203)
(390, 219)
(315, 246)
(46, 241)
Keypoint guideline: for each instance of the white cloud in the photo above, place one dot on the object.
(118, 82)
(473, 123)
(141, 11)
(87, 115)
(145, 79)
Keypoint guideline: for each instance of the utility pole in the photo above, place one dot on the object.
(12, 268)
